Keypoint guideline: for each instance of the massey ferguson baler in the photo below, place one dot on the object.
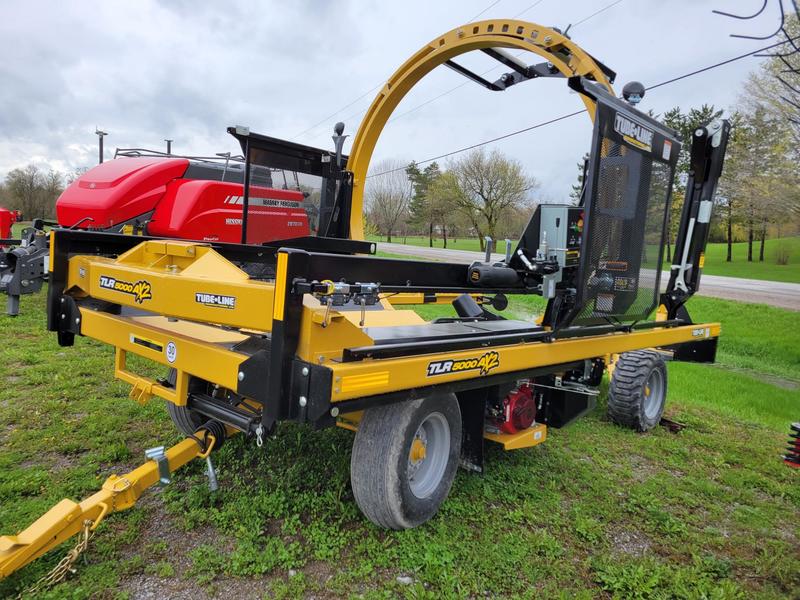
(316, 330)
(163, 196)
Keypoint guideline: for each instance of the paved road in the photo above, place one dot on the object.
(774, 293)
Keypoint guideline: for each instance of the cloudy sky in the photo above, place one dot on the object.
(186, 69)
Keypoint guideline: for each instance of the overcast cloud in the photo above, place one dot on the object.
(147, 70)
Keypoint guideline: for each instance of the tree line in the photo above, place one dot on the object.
(33, 191)
(482, 194)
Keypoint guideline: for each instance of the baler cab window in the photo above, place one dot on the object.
(309, 193)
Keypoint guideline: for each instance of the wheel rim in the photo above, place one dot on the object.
(428, 455)
(653, 394)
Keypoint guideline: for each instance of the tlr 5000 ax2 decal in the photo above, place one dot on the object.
(141, 290)
(484, 364)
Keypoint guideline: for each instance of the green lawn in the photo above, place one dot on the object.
(597, 511)
(715, 257)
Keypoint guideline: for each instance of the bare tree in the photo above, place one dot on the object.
(486, 188)
(23, 186)
(52, 187)
(33, 192)
(388, 192)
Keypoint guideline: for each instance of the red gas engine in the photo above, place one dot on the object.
(516, 412)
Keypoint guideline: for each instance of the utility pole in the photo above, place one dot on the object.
(169, 145)
(100, 136)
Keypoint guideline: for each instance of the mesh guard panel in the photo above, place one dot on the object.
(627, 202)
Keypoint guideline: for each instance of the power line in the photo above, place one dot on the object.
(534, 5)
(370, 91)
(594, 14)
(459, 86)
(572, 114)
(479, 144)
(719, 64)
(492, 5)
(329, 117)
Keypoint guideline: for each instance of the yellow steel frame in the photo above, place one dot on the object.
(204, 350)
(563, 53)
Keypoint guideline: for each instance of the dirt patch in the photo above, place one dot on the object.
(53, 461)
(152, 587)
(160, 526)
(318, 571)
(632, 543)
(642, 468)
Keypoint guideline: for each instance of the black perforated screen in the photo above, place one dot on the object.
(627, 200)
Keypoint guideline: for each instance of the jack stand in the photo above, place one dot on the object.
(213, 485)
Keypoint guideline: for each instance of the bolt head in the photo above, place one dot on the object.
(77, 320)
(335, 411)
(303, 401)
(63, 316)
(305, 371)
(240, 377)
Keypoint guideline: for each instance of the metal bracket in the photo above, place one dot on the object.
(159, 456)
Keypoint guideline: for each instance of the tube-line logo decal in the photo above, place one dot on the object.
(141, 290)
(634, 133)
(484, 364)
(215, 300)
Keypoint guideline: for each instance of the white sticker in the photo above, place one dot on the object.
(704, 212)
(172, 352)
(667, 151)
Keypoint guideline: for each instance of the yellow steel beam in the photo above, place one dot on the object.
(187, 280)
(194, 349)
(563, 53)
(68, 518)
(533, 436)
(365, 378)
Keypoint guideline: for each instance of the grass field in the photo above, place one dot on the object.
(715, 257)
(597, 511)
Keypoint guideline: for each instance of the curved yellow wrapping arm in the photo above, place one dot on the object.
(556, 48)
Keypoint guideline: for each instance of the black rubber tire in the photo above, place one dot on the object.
(185, 420)
(379, 462)
(626, 394)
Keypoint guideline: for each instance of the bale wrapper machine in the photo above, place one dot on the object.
(317, 330)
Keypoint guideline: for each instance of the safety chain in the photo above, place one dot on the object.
(64, 566)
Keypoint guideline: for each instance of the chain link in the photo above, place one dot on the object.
(64, 566)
